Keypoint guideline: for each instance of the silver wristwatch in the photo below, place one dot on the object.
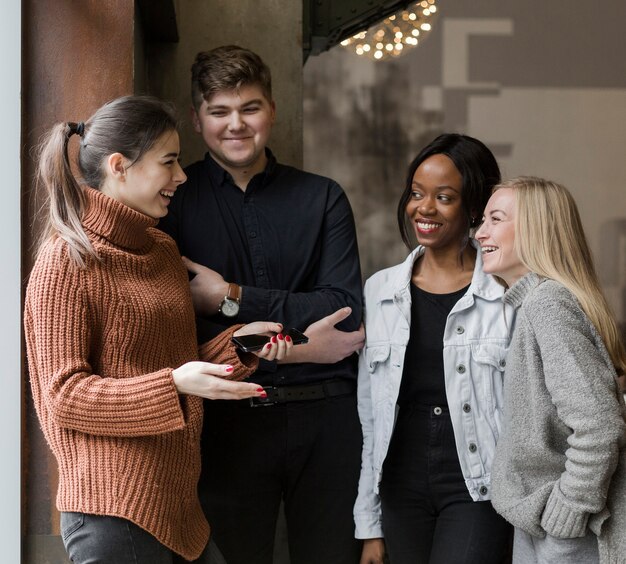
(230, 304)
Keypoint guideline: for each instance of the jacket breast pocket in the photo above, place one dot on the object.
(377, 357)
(489, 363)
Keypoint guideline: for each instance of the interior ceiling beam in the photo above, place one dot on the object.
(328, 22)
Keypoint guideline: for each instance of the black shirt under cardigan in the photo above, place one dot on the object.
(289, 240)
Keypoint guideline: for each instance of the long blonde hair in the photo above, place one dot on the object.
(550, 241)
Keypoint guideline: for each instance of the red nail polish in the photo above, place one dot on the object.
(264, 395)
(288, 339)
(260, 390)
(274, 339)
(229, 369)
(280, 336)
(269, 346)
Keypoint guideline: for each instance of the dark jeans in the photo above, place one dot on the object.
(428, 515)
(97, 539)
(308, 454)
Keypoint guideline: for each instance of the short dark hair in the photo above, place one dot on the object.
(477, 166)
(227, 68)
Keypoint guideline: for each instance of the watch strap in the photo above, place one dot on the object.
(234, 292)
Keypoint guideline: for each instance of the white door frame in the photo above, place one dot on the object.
(10, 281)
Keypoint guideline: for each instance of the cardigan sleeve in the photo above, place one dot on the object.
(59, 327)
(221, 350)
(581, 383)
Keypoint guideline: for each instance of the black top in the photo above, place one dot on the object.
(423, 379)
(289, 241)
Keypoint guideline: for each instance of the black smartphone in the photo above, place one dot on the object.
(253, 343)
(298, 337)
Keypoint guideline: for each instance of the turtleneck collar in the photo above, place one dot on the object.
(115, 222)
(516, 294)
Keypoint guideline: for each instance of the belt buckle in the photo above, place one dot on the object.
(263, 402)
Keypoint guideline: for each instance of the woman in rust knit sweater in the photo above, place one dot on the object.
(112, 347)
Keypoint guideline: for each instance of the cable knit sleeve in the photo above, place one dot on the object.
(59, 329)
(221, 350)
(581, 383)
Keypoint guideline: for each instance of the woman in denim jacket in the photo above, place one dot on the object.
(430, 376)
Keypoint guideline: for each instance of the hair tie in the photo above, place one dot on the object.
(80, 128)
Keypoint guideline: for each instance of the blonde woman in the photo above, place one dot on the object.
(554, 475)
(112, 350)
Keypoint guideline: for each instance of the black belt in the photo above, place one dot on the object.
(305, 392)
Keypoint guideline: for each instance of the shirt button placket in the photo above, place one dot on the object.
(254, 242)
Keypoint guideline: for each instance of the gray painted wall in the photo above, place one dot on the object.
(543, 84)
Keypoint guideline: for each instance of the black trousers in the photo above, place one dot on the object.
(306, 453)
(428, 515)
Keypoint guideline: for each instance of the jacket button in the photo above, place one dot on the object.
(482, 490)
(460, 369)
(472, 447)
(467, 408)
(460, 330)
(503, 363)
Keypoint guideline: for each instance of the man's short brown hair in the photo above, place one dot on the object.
(227, 68)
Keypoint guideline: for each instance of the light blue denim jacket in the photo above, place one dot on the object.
(475, 344)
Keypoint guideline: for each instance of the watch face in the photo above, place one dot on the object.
(229, 308)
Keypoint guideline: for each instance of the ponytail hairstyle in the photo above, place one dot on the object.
(129, 125)
(551, 242)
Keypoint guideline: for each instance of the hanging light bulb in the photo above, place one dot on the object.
(389, 38)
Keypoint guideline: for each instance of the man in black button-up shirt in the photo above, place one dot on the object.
(286, 239)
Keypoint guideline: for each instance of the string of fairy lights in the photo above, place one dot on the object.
(396, 33)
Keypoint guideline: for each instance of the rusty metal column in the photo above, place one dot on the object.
(75, 57)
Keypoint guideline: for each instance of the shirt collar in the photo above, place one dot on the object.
(219, 176)
(517, 293)
(482, 285)
(116, 222)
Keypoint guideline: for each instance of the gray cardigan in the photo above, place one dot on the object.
(564, 423)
